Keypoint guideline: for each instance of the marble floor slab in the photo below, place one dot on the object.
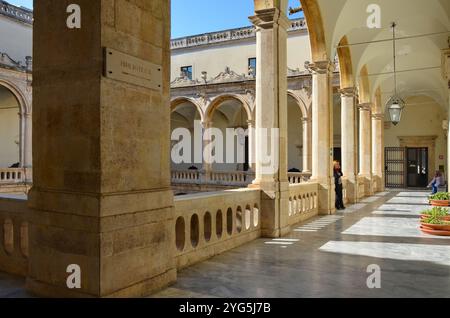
(389, 227)
(437, 254)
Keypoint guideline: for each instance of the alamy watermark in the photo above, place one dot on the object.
(211, 146)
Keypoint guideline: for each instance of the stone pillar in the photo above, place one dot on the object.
(306, 128)
(101, 200)
(446, 75)
(271, 119)
(28, 147)
(207, 138)
(251, 145)
(378, 151)
(322, 134)
(365, 148)
(349, 142)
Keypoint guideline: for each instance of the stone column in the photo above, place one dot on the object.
(446, 75)
(322, 134)
(207, 138)
(28, 147)
(101, 203)
(306, 128)
(251, 145)
(365, 148)
(378, 151)
(349, 142)
(271, 119)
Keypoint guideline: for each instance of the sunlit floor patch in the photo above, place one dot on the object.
(353, 208)
(319, 224)
(370, 199)
(438, 254)
(389, 227)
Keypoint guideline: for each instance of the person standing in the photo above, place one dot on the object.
(338, 186)
(437, 181)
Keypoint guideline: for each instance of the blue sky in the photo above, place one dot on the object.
(200, 16)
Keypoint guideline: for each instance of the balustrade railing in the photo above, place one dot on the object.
(303, 202)
(208, 224)
(12, 175)
(298, 177)
(225, 178)
(14, 236)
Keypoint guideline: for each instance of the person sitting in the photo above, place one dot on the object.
(437, 181)
(16, 165)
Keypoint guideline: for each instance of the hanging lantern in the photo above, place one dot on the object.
(395, 107)
(395, 104)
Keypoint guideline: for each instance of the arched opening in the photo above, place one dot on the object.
(184, 120)
(180, 236)
(10, 136)
(230, 116)
(295, 135)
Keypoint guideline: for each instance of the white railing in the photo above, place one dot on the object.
(223, 178)
(303, 202)
(298, 177)
(208, 224)
(186, 176)
(12, 175)
(230, 178)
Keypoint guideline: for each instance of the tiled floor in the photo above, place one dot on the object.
(325, 257)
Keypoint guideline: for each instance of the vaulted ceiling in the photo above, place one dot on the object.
(418, 58)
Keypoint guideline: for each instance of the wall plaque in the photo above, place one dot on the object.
(126, 68)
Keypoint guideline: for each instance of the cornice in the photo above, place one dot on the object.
(230, 35)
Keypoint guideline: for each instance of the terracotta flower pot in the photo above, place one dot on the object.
(444, 218)
(437, 227)
(427, 230)
(440, 202)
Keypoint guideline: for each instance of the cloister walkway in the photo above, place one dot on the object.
(324, 257)
(329, 255)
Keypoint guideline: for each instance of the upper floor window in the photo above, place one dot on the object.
(252, 66)
(186, 71)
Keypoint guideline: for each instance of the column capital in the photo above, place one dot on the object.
(365, 106)
(306, 120)
(207, 124)
(250, 123)
(268, 18)
(349, 92)
(378, 116)
(320, 67)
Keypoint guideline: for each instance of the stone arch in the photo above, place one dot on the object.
(24, 110)
(364, 86)
(21, 100)
(217, 101)
(174, 103)
(300, 102)
(345, 64)
(316, 30)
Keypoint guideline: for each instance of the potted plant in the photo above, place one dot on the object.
(440, 199)
(437, 212)
(434, 224)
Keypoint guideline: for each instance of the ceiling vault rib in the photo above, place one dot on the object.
(397, 39)
(403, 71)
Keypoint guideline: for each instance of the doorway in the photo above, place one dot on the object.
(417, 167)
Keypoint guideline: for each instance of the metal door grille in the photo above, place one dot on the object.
(395, 167)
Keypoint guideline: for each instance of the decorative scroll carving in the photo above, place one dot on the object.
(228, 76)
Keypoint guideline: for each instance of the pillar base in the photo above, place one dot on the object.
(327, 199)
(274, 208)
(142, 289)
(352, 191)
